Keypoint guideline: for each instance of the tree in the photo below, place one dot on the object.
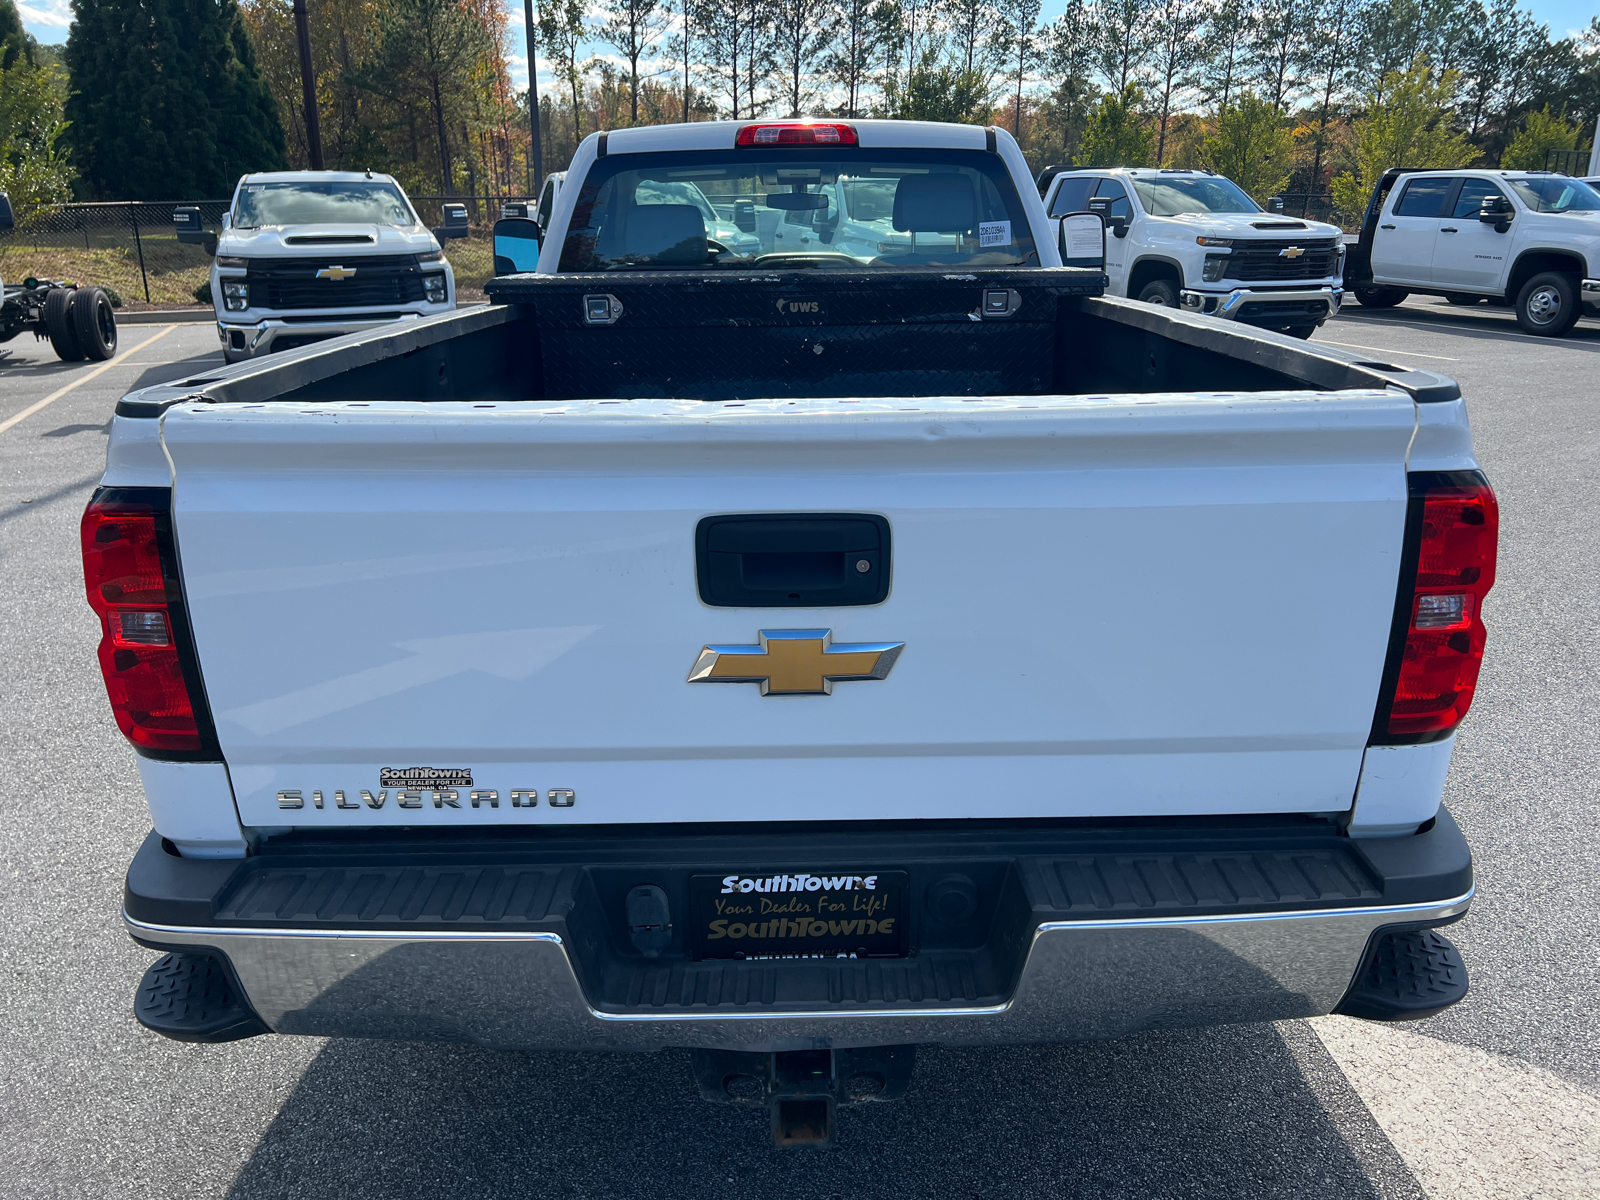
(1177, 52)
(1250, 145)
(937, 91)
(34, 168)
(167, 99)
(1541, 132)
(1326, 62)
(632, 27)
(799, 37)
(1127, 36)
(1226, 39)
(1277, 40)
(562, 33)
(850, 60)
(739, 54)
(1407, 124)
(16, 43)
(1019, 32)
(427, 48)
(971, 24)
(1117, 135)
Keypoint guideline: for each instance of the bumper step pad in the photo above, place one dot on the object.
(1407, 975)
(192, 998)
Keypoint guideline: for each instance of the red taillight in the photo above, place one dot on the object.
(796, 134)
(122, 570)
(1444, 637)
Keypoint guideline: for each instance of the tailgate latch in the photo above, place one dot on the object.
(1000, 302)
(601, 310)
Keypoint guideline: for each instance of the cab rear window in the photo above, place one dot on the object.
(797, 207)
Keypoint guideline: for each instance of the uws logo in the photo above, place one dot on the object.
(799, 306)
(802, 882)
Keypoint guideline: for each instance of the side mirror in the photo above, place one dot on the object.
(455, 222)
(1082, 239)
(187, 225)
(7, 219)
(1275, 204)
(744, 215)
(516, 208)
(1496, 211)
(516, 245)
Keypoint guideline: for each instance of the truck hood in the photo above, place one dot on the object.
(318, 241)
(1261, 225)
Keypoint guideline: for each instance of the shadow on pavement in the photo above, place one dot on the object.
(1479, 322)
(1225, 1112)
(196, 365)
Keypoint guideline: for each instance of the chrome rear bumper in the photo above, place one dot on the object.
(1081, 980)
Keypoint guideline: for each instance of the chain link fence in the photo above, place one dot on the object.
(130, 249)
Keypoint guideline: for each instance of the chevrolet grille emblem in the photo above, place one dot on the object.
(796, 662)
(337, 274)
(1290, 252)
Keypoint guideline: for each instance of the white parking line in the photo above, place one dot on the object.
(1389, 350)
(79, 380)
(1471, 1125)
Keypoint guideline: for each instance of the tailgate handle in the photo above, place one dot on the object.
(792, 560)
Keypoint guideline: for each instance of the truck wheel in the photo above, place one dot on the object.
(1548, 304)
(1159, 291)
(96, 324)
(1379, 297)
(59, 325)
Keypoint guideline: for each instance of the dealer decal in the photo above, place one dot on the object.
(799, 914)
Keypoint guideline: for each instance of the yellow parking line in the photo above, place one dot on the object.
(82, 379)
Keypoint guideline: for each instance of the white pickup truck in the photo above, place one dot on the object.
(793, 657)
(1528, 239)
(308, 255)
(1197, 240)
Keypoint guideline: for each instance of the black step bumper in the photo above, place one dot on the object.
(1060, 931)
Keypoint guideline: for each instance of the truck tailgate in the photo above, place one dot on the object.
(1109, 606)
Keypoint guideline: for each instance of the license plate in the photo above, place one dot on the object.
(798, 914)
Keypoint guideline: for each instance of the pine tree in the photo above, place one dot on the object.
(167, 100)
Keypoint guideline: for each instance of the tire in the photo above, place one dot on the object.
(1303, 332)
(1461, 299)
(95, 323)
(1159, 291)
(1547, 305)
(59, 325)
(1379, 297)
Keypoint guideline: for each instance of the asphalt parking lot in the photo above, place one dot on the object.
(1499, 1097)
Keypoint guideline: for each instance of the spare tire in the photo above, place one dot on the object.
(59, 325)
(95, 322)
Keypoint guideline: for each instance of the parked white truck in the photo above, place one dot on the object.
(308, 255)
(794, 658)
(1196, 240)
(1527, 239)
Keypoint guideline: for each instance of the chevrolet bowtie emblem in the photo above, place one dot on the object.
(1291, 252)
(796, 662)
(337, 274)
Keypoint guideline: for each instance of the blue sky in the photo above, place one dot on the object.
(48, 20)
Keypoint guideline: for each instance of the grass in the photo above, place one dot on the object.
(173, 270)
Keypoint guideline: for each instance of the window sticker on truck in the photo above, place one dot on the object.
(994, 233)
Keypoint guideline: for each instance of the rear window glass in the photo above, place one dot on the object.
(756, 209)
(1424, 198)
